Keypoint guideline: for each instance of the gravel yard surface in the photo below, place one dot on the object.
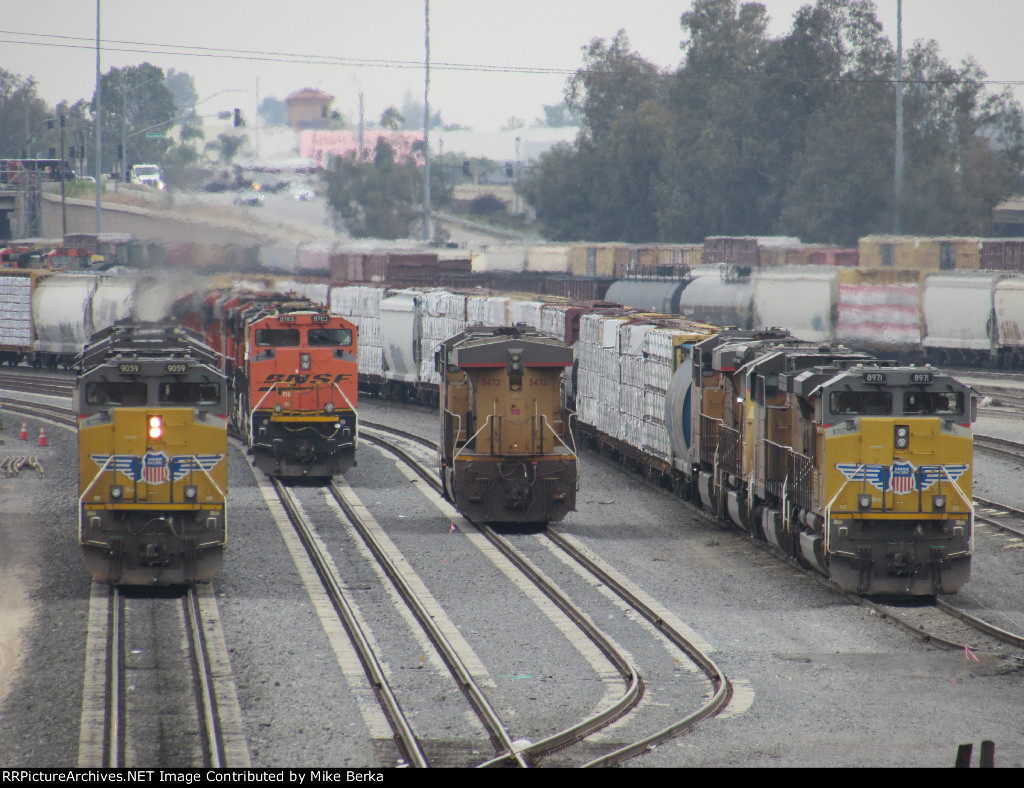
(820, 681)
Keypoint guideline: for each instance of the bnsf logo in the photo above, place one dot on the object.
(324, 379)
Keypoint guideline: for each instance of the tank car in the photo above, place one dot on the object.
(295, 385)
(506, 453)
(858, 468)
(152, 453)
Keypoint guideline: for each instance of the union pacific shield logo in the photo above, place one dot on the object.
(902, 477)
(155, 467)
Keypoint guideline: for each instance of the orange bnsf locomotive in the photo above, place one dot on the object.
(859, 468)
(294, 375)
(505, 450)
(152, 446)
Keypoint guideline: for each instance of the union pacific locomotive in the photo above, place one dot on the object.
(505, 452)
(858, 468)
(294, 379)
(152, 445)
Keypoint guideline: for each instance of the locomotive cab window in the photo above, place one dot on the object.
(277, 337)
(113, 392)
(330, 337)
(176, 392)
(933, 403)
(860, 403)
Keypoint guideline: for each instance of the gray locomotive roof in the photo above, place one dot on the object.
(485, 346)
(146, 340)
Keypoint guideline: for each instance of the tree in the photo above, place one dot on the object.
(392, 119)
(182, 86)
(226, 147)
(560, 116)
(377, 199)
(754, 135)
(613, 82)
(273, 112)
(135, 100)
(22, 117)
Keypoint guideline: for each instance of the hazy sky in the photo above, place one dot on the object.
(378, 46)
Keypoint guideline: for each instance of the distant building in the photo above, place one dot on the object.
(321, 145)
(309, 108)
(1008, 218)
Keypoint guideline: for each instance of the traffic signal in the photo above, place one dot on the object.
(508, 170)
(238, 118)
(120, 151)
(465, 168)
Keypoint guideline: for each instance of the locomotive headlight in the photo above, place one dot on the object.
(191, 491)
(902, 436)
(864, 501)
(304, 361)
(277, 408)
(329, 408)
(938, 501)
(116, 492)
(156, 427)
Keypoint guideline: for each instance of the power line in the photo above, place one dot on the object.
(188, 50)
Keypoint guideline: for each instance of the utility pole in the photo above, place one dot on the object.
(99, 129)
(897, 227)
(426, 124)
(362, 153)
(63, 178)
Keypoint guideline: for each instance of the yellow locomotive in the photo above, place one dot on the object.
(152, 455)
(859, 468)
(505, 450)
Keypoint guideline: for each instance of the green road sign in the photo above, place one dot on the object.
(155, 135)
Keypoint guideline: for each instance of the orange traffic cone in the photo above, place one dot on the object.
(42, 436)
(24, 431)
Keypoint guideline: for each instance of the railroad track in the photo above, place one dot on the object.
(47, 383)
(128, 647)
(425, 610)
(721, 687)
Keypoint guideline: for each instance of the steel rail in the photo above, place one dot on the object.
(723, 688)
(499, 734)
(114, 737)
(407, 739)
(209, 713)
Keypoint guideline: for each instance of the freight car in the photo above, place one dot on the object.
(47, 318)
(860, 469)
(152, 455)
(874, 494)
(506, 453)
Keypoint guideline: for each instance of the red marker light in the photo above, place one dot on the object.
(156, 427)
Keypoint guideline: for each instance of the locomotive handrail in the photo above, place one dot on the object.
(970, 507)
(100, 472)
(828, 509)
(193, 464)
(482, 428)
(252, 437)
(559, 439)
(355, 414)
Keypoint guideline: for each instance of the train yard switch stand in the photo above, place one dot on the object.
(42, 436)
(24, 431)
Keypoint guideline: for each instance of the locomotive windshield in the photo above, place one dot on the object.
(861, 403)
(176, 392)
(330, 337)
(114, 392)
(937, 403)
(277, 337)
